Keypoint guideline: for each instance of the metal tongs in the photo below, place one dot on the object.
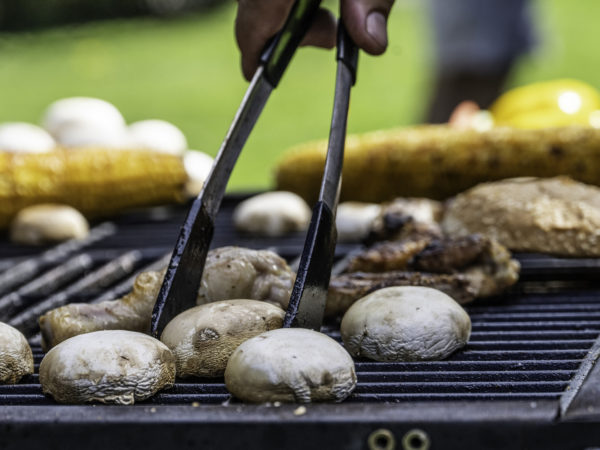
(307, 303)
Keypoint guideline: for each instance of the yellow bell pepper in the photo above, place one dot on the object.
(547, 104)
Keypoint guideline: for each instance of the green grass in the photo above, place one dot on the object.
(186, 71)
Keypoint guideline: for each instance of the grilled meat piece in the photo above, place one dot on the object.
(229, 273)
(385, 256)
(345, 289)
(429, 255)
(448, 255)
(466, 268)
(494, 271)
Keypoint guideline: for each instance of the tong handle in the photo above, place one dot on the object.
(309, 295)
(279, 51)
(314, 271)
(347, 51)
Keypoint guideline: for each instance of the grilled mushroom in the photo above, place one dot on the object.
(272, 214)
(40, 224)
(290, 365)
(405, 323)
(229, 272)
(16, 358)
(119, 367)
(203, 338)
(236, 272)
(131, 312)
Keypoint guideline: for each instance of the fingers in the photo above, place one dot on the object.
(259, 20)
(366, 22)
(322, 32)
(256, 22)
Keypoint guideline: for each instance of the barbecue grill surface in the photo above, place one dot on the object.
(529, 351)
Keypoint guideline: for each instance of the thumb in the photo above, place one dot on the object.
(366, 22)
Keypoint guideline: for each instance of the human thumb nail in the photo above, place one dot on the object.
(377, 28)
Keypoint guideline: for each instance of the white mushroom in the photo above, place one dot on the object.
(85, 136)
(113, 366)
(272, 214)
(40, 224)
(16, 358)
(197, 165)
(290, 365)
(158, 135)
(203, 338)
(354, 219)
(86, 122)
(237, 272)
(21, 137)
(405, 323)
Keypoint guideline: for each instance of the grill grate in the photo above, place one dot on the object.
(526, 345)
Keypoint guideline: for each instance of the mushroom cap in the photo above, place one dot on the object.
(290, 365)
(16, 358)
(39, 224)
(405, 323)
(21, 137)
(272, 214)
(85, 121)
(112, 366)
(86, 136)
(204, 337)
(238, 272)
(354, 219)
(158, 135)
(197, 166)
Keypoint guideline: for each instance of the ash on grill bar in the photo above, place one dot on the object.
(526, 379)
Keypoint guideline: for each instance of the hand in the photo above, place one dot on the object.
(259, 20)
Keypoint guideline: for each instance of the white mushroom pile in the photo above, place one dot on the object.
(79, 122)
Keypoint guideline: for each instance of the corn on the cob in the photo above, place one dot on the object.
(97, 182)
(438, 162)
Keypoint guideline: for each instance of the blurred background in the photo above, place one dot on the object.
(177, 60)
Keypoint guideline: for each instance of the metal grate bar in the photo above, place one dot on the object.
(31, 267)
(26, 321)
(16, 301)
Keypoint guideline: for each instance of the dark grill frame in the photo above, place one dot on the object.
(515, 385)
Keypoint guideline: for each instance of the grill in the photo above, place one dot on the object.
(525, 380)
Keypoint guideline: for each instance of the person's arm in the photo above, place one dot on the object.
(259, 20)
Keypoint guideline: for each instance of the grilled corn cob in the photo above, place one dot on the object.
(97, 182)
(438, 162)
